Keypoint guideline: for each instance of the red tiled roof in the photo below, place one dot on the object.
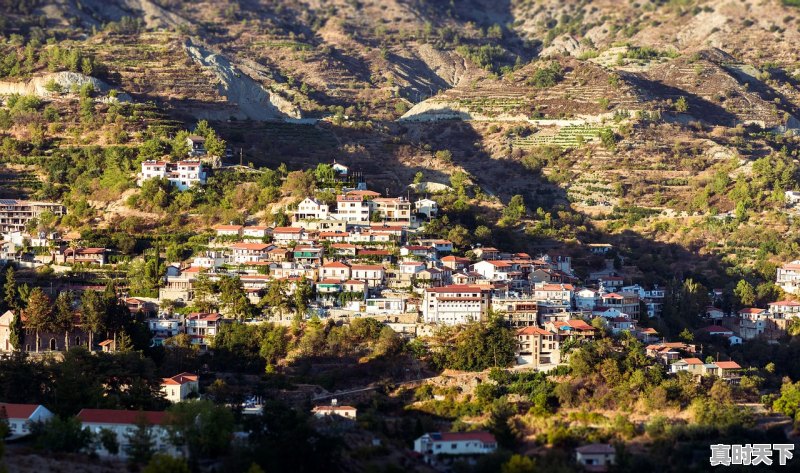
(455, 288)
(596, 449)
(250, 246)
(728, 365)
(209, 316)
(18, 411)
(751, 310)
(335, 264)
(227, 227)
(367, 267)
(480, 436)
(287, 230)
(111, 416)
(531, 330)
(180, 379)
(693, 361)
(786, 303)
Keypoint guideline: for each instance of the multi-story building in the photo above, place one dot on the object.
(311, 209)
(183, 174)
(244, 253)
(352, 208)
(625, 302)
(202, 328)
(554, 292)
(335, 270)
(518, 312)
(427, 207)
(372, 274)
(164, 328)
(393, 209)
(537, 347)
(788, 277)
(15, 214)
(455, 305)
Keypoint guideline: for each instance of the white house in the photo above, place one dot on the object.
(21, 416)
(284, 235)
(596, 456)
(372, 274)
(456, 443)
(124, 423)
(714, 313)
(178, 387)
(202, 328)
(335, 270)
(352, 208)
(183, 174)
(554, 292)
(788, 277)
(586, 298)
(244, 253)
(256, 232)
(228, 230)
(427, 207)
(347, 412)
(311, 209)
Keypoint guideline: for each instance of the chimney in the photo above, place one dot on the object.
(334, 402)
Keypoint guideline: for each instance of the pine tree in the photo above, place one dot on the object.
(39, 313)
(17, 336)
(64, 316)
(94, 314)
(11, 294)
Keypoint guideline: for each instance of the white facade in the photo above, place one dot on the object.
(180, 386)
(455, 443)
(183, 174)
(311, 209)
(385, 306)
(788, 277)
(427, 207)
(455, 305)
(352, 209)
(21, 416)
(124, 425)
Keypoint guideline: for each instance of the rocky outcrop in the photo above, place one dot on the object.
(249, 97)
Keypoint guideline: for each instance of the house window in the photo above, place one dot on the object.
(453, 446)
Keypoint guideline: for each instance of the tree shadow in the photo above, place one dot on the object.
(699, 108)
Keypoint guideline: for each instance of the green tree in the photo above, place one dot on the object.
(518, 464)
(140, 442)
(94, 314)
(17, 331)
(744, 293)
(205, 429)
(64, 316)
(681, 105)
(108, 440)
(61, 434)
(39, 313)
(515, 210)
(162, 463)
(789, 401)
(11, 299)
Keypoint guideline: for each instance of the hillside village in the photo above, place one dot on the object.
(375, 236)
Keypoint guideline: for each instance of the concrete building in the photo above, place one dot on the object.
(788, 277)
(455, 305)
(15, 214)
(183, 174)
(537, 347)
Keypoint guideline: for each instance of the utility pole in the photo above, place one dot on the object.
(241, 156)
